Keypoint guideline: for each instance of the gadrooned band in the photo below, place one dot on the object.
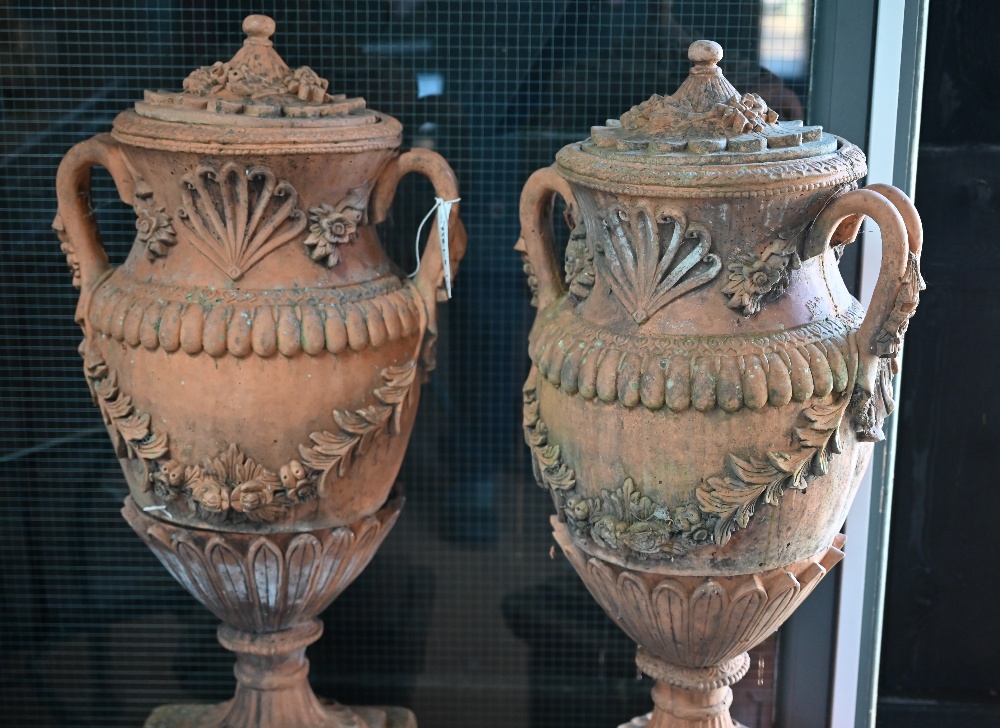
(694, 678)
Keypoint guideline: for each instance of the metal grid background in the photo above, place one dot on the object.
(462, 616)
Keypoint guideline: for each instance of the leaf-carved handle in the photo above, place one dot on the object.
(74, 222)
(430, 278)
(899, 282)
(537, 240)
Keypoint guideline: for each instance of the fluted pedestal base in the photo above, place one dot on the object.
(272, 689)
(267, 589)
(694, 631)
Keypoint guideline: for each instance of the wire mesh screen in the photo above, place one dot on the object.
(463, 616)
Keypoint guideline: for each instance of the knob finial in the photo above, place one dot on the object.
(259, 29)
(705, 52)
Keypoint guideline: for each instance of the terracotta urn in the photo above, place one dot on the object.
(704, 391)
(257, 358)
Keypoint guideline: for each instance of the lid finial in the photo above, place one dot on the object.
(705, 53)
(255, 83)
(704, 116)
(259, 29)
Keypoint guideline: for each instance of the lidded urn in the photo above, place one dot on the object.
(258, 340)
(257, 358)
(704, 390)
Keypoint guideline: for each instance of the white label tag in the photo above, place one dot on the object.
(443, 208)
(444, 213)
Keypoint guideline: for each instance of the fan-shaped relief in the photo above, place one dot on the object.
(651, 259)
(235, 216)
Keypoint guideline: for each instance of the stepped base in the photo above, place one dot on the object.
(210, 716)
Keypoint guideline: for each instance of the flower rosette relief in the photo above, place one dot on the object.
(331, 226)
(233, 483)
(207, 79)
(153, 228)
(579, 264)
(755, 280)
(211, 497)
(168, 480)
(307, 85)
(299, 483)
(626, 520)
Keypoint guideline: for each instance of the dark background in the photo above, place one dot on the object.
(942, 612)
(462, 615)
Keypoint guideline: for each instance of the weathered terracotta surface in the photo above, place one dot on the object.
(694, 631)
(268, 591)
(258, 357)
(704, 390)
(257, 341)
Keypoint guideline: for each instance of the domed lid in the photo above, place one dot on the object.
(255, 103)
(712, 139)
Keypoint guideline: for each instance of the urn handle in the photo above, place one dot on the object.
(74, 222)
(537, 240)
(429, 279)
(899, 281)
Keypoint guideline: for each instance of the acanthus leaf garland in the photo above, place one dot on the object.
(131, 433)
(358, 430)
(625, 520)
(747, 483)
(551, 472)
(231, 486)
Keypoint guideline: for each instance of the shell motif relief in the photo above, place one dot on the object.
(652, 258)
(235, 216)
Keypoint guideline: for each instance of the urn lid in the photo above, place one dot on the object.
(709, 139)
(255, 103)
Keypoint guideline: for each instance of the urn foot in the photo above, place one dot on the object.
(691, 697)
(198, 716)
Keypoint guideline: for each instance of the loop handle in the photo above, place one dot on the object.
(74, 222)
(898, 286)
(537, 240)
(429, 279)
